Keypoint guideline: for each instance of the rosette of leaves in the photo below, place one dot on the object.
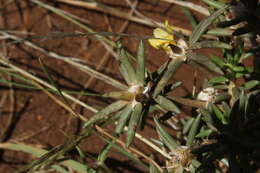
(224, 137)
(238, 27)
(132, 105)
(232, 145)
(180, 158)
(231, 64)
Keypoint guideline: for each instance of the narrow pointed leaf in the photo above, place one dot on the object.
(103, 154)
(140, 71)
(211, 44)
(134, 121)
(206, 116)
(125, 74)
(218, 61)
(242, 102)
(203, 25)
(219, 114)
(220, 32)
(38, 152)
(176, 85)
(124, 117)
(187, 126)
(103, 114)
(59, 169)
(81, 153)
(246, 55)
(193, 131)
(171, 87)
(221, 97)
(218, 80)
(220, 87)
(214, 3)
(226, 109)
(204, 61)
(120, 95)
(204, 133)
(239, 68)
(166, 138)
(171, 69)
(167, 104)
(190, 16)
(127, 67)
(123, 151)
(251, 84)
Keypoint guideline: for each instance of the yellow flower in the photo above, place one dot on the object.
(163, 37)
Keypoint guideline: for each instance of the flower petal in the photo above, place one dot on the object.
(161, 33)
(155, 43)
(168, 27)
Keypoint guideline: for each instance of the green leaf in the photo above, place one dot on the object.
(193, 131)
(204, 133)
(171, 87)
(220, 32)
(190, 16)
(125, 75)
(220, 87)
(18, 76)
(217, 60)
(59, 169)
(38, 152)
(226, 109)
(204, 61)
(134, 121)
(243, 100)
(214, 3)
(238, 75)
(219, 114)
(140, 71)
(123, 151)
(239, 68)
(172, 67)
(207, 118)
(176, 85)
(218, 80)
(246, 55)
(251, 84)
(165, 137)
(167, 104)
(187, 126)
(104, 152)
(127, 68)
(211, 44)
(124, 117)
(203, 25)
(119, 95)
(221, 97)
(103, 114)
(81, 153)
